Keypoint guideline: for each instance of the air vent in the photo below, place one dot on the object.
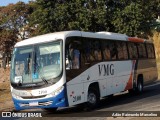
(33, 97)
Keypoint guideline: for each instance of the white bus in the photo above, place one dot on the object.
(73, 67)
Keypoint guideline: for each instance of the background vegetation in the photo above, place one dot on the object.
(132, 17)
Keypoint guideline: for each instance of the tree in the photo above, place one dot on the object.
(15, 17)
(13, 26)
(132, 17)
(70, 15)
(95, 16)
(7, 41)
(42, 19)
(135, 17)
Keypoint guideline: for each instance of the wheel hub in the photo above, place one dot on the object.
(92, 98)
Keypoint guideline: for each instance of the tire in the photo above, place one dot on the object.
(139, 88)
(50, 109)
(92, 99)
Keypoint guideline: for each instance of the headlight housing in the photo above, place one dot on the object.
(16, 96)
(56, 92)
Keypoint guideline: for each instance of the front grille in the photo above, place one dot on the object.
(33, 97)
(47, 103)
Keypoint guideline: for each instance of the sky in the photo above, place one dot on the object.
(6, 2)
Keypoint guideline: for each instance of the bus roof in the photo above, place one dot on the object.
(65, 34)
(47, 37)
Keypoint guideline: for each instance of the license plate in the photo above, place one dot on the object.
(33, 104)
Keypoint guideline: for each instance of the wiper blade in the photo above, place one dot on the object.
(44, 80)
(37, 68)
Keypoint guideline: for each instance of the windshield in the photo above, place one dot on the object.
(37, 63)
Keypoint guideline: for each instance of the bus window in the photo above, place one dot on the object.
(73, 55)
(97, 50)
(153, 51)
(142, 50)
(122, 50)
(150, 51)
(92, 50)
(106, 50)
(113, 51)
(88, 50)
(76, 60)
(133, 54)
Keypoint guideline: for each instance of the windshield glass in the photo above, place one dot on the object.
(37, 63)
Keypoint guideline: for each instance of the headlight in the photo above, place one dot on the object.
(16, 96)
(56, 92)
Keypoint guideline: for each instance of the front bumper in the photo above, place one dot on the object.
(59, 100)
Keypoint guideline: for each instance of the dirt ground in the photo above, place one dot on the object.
(5, 96)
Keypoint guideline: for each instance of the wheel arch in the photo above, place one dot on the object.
(93, 85)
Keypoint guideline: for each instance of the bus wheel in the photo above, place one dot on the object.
(50, 109)
(93, 99)
(139, 87)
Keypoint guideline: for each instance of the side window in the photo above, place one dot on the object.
(106, 50)
(122, 50)
(88, 50)
(125, 51)
(133, 54)
(153, 51)
(150, 51)
(113, 50)
(97, 50)
(92, 50)
(141, 50)
(73, 54)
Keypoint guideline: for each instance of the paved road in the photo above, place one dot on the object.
(148, 101)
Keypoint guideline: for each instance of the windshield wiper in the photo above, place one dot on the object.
(42, 77)
(44, 80)
(36, 68)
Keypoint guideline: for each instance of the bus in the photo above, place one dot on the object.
(69, 68)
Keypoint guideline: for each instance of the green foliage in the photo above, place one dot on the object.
(7, 40)
(135, 17)
(132, 17)
(124, 16)
(13, 19)
(70, 15)
(43, 16)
